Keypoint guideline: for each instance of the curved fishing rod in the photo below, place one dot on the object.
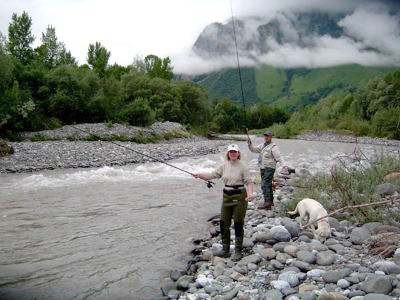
(208, 182)
(240, 73)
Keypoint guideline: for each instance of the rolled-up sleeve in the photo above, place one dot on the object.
(277, 156)
(256, 149)
(246, 176)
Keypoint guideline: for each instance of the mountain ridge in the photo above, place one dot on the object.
(285, 87)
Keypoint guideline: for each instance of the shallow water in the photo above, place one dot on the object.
(117, 232)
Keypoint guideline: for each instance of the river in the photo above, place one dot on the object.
(117, 232)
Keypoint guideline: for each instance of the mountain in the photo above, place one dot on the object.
(255, 38)
(258, 41)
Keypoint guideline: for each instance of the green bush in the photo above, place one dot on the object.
(349, 185)
(38, 137)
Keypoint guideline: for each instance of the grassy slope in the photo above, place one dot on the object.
(334, 81)
(269, 83)
(271, 86)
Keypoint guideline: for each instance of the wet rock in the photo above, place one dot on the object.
(332, 296)
(380, 284)
(176, 274)
(359, 235)
(385, 189)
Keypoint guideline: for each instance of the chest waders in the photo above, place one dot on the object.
(233, 206)
(267, 175)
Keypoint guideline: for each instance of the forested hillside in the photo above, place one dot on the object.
(373, 109)
(288, 88)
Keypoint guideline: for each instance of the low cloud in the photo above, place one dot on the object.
(371, 37)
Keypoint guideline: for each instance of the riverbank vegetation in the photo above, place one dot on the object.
(45, 88)
(372, 110)
(353, 181)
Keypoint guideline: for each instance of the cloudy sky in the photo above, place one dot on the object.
(128, 28)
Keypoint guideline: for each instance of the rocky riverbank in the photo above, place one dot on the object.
(333, 136)
(64, 147)
(281, 261)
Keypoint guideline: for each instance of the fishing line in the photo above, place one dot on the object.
(208, 182)
(240, 73)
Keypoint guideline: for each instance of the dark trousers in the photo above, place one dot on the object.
(234, 207)
(267, 175)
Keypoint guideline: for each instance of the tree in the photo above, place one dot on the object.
(157, 67)
(70, 90)
(16, 105)
(194, 109)
(20, 38)
(66, 57)
(50, 51)
(98, 57)
(139, 65)
(138, 113)
(6, 67)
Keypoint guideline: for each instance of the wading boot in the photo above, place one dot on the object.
(224, 252)
(239, 233)
(237, 255)
(267, 205)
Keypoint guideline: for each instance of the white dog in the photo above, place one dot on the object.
(310, 211)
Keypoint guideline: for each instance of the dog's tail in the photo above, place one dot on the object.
(295, 211)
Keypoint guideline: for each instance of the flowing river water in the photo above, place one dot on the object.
(117, 232)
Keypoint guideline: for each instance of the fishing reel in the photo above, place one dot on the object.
(209, 184)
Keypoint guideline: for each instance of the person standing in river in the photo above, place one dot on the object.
(269, 156)
(235, 199)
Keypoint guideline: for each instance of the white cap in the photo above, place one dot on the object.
(233, 147)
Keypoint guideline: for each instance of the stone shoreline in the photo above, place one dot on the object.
(63, 149)
(332, 136)
(283, 262)
(63, 153)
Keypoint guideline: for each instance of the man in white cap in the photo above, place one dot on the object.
(268, 158)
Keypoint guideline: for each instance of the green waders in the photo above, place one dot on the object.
(233, 205)
(267, 175)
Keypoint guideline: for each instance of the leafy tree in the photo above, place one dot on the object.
(66, 57)
(116, 71)
(20, 38)
(6, 67)
(194, 105)
(70, 91)
(16, 105)
(98, 57)
(157, 67)
(138, 113)
(386, 123)
(261, 116)
(138, 65)
(51, 52)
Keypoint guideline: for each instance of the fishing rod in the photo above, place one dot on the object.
(240, 73)
(208, 182)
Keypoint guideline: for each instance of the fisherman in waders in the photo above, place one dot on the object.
(268, 158)
(235, 199)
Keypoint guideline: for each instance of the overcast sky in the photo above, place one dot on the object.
(128, 28)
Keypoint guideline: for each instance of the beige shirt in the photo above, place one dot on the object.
(270, 155)
(232, 173)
